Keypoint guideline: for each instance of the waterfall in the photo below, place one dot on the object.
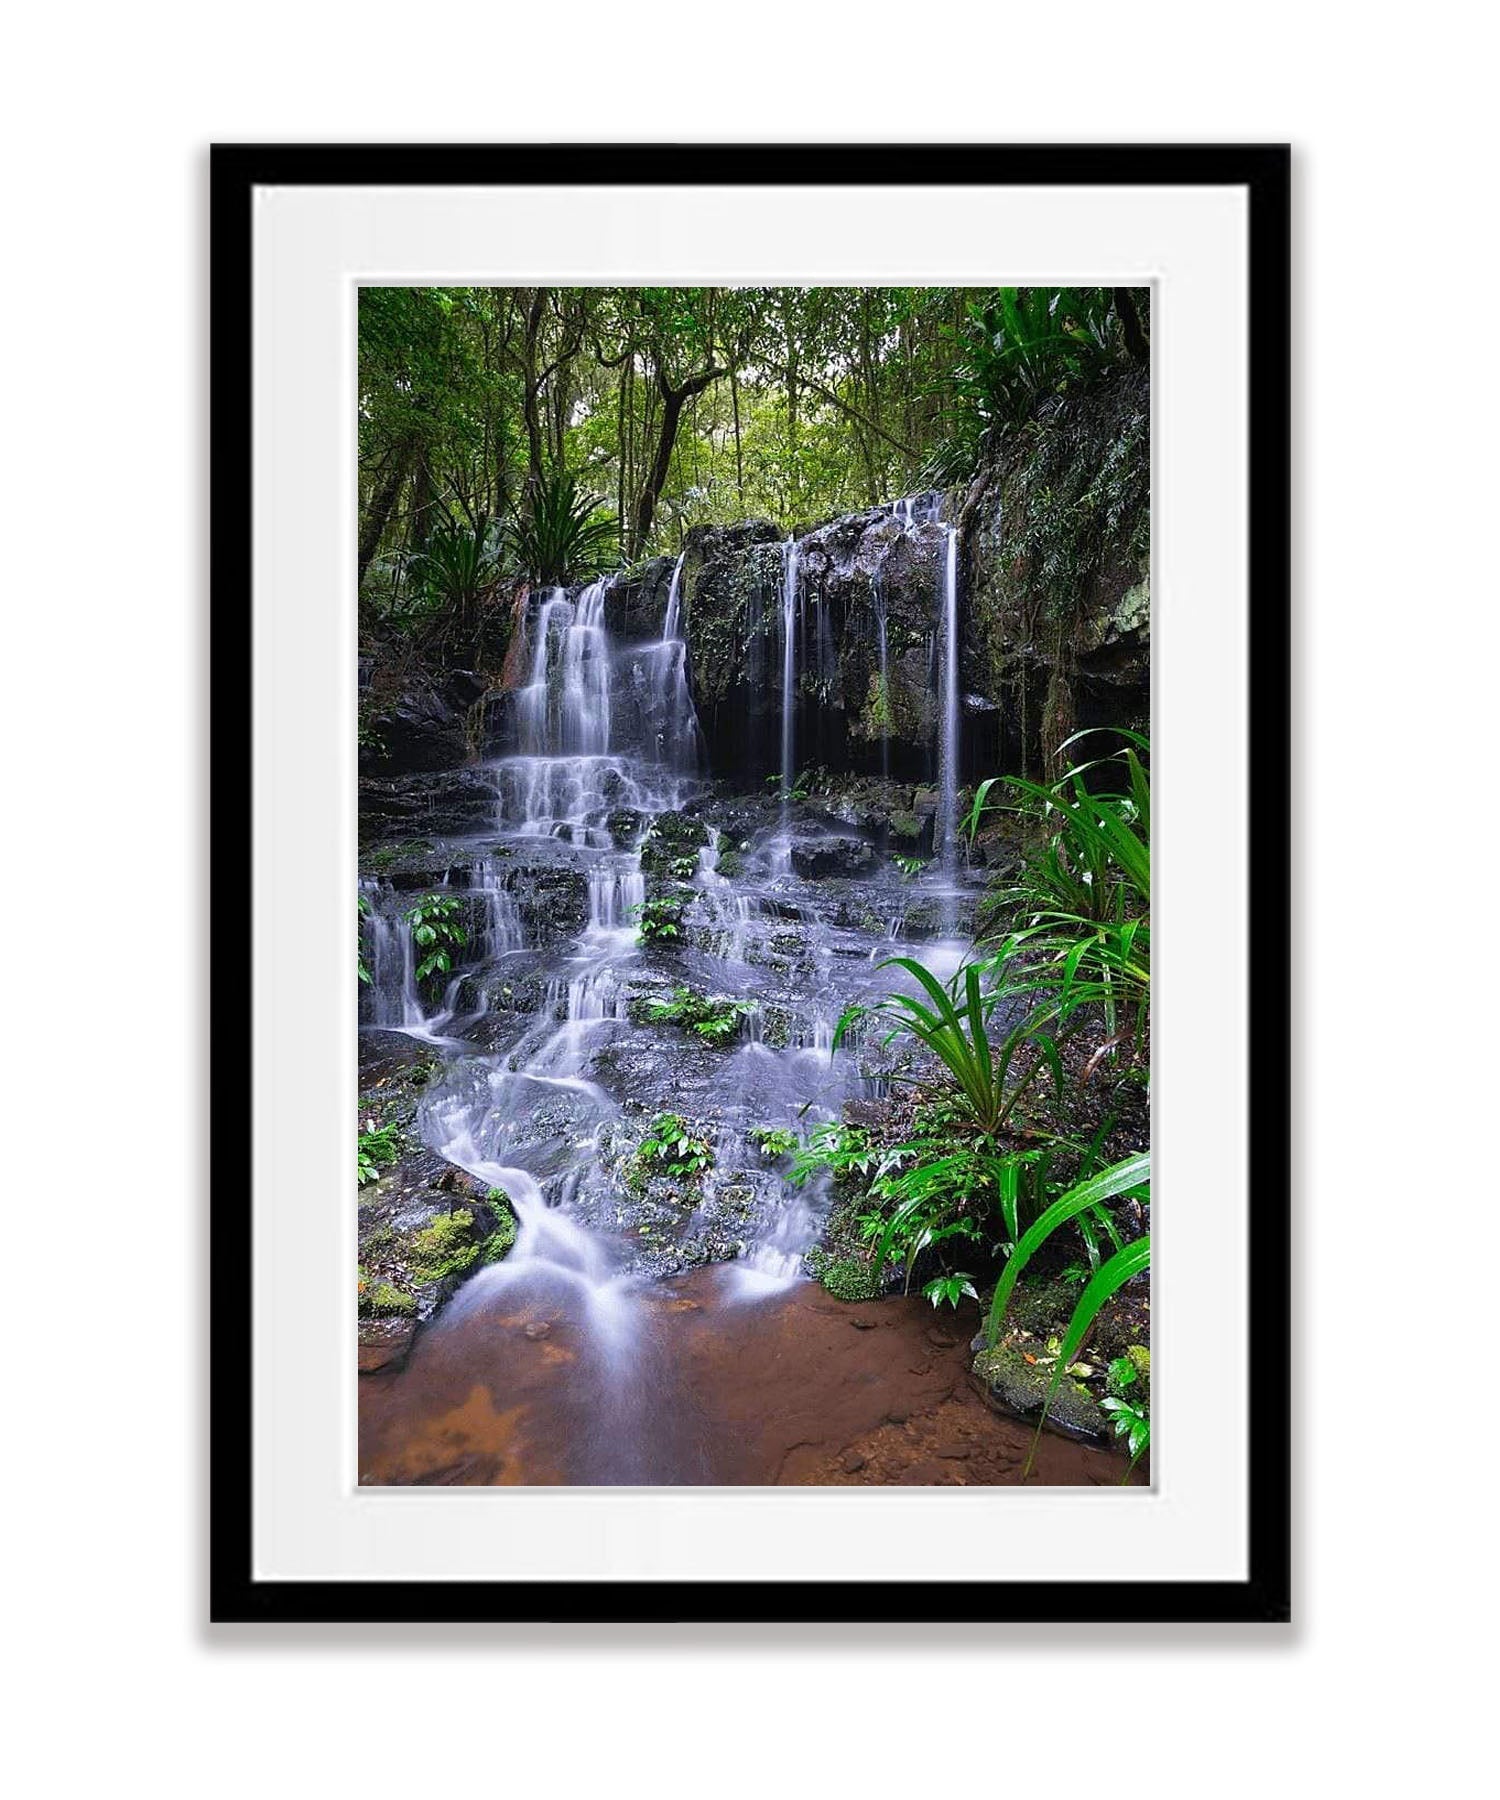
(670, 719)
(671, 627)
(788, 673)
(596, 732)
(390, 995)
(883, 693)
(948, 743)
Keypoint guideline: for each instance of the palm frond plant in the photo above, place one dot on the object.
(454, 568)
(560, 535)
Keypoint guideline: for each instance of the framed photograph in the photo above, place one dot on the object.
(711, 647)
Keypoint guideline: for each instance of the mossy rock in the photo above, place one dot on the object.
(845, 1277)
(445, 1247)
(673, 836)
(382, 1300)
(1014, 1385)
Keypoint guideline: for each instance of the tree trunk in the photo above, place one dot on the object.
(1137, 345)
(673, 401)
(382, 505)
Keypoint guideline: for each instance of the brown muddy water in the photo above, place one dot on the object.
(789, 1387)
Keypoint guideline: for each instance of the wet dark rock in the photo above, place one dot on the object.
(624, 827)
(452, 804)
(638, 601)
(424, 1226)
(671, 847)
(816, 857)
(419, 727)
(1024, 664)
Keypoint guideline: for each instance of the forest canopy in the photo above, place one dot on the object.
(549, 433)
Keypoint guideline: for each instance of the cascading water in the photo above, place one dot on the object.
(884, 691)
(603, 740)
(948, 743)
(788, 673)
(388, 958)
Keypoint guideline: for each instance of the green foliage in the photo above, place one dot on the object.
(456, 563)
(715, 1020)
(521, 405)
(437, 931)
(951, 1288)
(445, 1247)
(801, 785)
(774, 1141)
(1079, 497)
(377, 1150)
(953, 1025)
(660, 919)
(674, 1147)
(1018, 347)
(842, 1150)
(1132, 1422)
(910, 866)
(1132, 1175)
(845, 1277)
(1084, 896)
(561, 536)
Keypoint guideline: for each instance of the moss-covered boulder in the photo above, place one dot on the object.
(1015, 1382)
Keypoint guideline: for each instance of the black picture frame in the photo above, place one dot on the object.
(1263, 172)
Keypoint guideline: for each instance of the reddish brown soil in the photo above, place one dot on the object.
(797, 1387)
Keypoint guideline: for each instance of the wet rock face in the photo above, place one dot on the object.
(420, 726)
(454, 803)
(638, 602)
(852, 572)
(1043, 659)
(815, 858)
(424, 1225)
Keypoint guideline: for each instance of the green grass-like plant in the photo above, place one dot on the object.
(1132, 1175)
(952, 1022)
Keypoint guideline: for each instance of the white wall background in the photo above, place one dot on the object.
(1377, 1689)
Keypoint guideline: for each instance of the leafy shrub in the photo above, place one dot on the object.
(1084, 897)
(560, 535)
(660, 920)
(674, 1147)
(1132, 1175)
(952, 1288)
(774, 1141)
(456, 564)
(378, 1149)
(436, 929)
(716, 1021)
(1018, 347)
(952, 1024)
